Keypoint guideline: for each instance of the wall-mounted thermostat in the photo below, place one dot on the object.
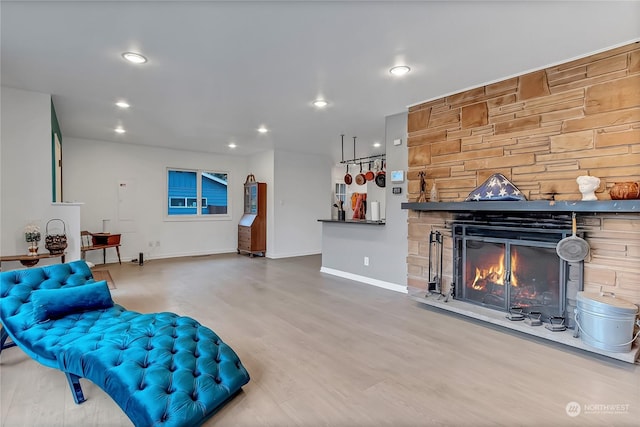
(397, 176)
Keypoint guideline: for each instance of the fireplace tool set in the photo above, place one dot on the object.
(435, 263)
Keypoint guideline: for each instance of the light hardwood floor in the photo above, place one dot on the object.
(326, 351)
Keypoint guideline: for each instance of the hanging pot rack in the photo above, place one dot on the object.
(360, 160)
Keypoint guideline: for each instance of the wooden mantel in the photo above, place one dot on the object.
(609, 206)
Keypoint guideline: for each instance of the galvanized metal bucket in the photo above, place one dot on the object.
(606, 322)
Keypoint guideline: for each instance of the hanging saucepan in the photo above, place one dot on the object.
(347, 178)
(369, 175)
(381, 178)
(573, 248)
(360, 179)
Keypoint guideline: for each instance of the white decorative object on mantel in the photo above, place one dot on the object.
(434, 193)
(588, 186)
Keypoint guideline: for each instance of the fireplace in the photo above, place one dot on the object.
(511, 265)
(501, 254)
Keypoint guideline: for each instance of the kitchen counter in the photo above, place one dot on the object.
(354, 221)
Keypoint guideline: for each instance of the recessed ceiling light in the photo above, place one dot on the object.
(135, 58)
(376, 144)
(119, 129)
(320, 103)
(399, 70)
(232, 145)
(263, 129)
(122, 104)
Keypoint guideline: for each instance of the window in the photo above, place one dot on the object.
(341, 192)
(197, 193)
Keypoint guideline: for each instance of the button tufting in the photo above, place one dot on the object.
(217, 380)
(196, 374)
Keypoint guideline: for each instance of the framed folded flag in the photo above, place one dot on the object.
(497, 188)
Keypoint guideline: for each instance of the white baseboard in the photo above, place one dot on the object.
(364, 279)
(292, 254)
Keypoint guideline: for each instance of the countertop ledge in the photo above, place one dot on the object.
(354, 221)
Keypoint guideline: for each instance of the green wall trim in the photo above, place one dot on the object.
(55, 130)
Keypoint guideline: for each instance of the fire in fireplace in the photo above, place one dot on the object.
(510, 267)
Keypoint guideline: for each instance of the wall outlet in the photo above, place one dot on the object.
(157, 243)
(366, 261)
(150, 244)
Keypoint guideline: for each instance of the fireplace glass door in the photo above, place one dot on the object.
(507, 273)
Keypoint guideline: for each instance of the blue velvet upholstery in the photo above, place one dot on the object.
(57, 303)
(160, 368)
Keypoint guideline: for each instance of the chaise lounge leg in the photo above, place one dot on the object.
(3, 338)
(76, 390)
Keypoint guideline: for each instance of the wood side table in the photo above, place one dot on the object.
(31, 260)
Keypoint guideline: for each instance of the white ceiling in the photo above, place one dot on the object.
(219, 70)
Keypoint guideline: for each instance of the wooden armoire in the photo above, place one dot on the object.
(252, 229)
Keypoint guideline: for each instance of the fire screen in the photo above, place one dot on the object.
(503, 273)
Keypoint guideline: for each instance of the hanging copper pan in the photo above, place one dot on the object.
(347, 178)
(360, 179)
(369, 175)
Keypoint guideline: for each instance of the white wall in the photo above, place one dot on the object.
(301, 197)
(25, 177)
(93, 171)
(292, 208)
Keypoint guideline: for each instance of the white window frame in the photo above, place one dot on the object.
(198, 216)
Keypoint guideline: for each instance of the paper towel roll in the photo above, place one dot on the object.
(375, 211)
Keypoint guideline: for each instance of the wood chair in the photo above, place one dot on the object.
(96, 241)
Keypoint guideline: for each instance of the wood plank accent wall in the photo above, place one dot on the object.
(541, 130)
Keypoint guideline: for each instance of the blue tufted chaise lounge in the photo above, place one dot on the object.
(161, 369)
